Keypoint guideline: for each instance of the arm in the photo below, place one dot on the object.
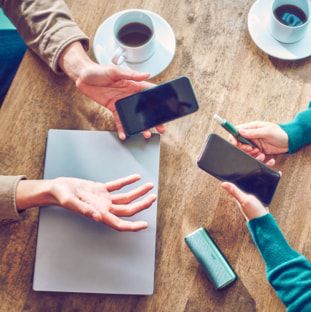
(46, 26)
(91, 199)
(49, 30)
(288, 272)
(299, 130)
(275, 139)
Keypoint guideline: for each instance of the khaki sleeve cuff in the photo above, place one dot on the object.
(8, 210)
(54, 45)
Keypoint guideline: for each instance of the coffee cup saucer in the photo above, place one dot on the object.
(258, 26)
(104, 45)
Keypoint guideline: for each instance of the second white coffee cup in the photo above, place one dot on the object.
(134, 37)
(285, 33)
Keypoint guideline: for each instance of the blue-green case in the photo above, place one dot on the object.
(215, 265)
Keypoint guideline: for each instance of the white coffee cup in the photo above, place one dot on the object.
(129, 53)
(285, 33)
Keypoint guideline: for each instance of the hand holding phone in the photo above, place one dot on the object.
(157, 105)
(250, 207)
(227, 163)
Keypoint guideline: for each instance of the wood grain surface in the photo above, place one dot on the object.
(233, 78)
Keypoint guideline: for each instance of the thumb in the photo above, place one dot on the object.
(119, 73)
(259, 133)
(234, 191)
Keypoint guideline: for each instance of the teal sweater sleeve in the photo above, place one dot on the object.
(288, 271)
(298, 130)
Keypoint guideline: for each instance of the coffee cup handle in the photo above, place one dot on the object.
(119, 56)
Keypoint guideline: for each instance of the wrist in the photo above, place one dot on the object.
(32, 193)
(74, 60)
(256, 213)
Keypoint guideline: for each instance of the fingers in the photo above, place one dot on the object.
(250, 206)
(117, 184)
(234, 191)
(270, 162)
(253, 125)
(147, 134)
(122, 225)
(233, 140)
(160, 128)
(120, 129)
(261, 157)
(130, 210)
(258, 133)
(125, 198)
(244, 147)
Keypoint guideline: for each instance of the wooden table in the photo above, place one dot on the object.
(231, 77)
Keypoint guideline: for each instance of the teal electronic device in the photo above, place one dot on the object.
(215, 265)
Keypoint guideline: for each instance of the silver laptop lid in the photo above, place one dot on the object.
(76, 254)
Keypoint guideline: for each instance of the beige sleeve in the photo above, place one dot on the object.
(46, 26)
(8, 210)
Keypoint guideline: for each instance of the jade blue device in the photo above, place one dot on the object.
(157, 105)
(231, 129)
(228, 163)
(215, 265)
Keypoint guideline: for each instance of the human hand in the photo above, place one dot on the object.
(92, 199)
(95, 200)
(250, 206)
(104, 84)
(269, 137)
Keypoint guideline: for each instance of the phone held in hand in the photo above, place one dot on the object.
(228, 163)
(157, 105)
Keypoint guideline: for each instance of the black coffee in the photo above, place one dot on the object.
(134, 34)
(290, 15)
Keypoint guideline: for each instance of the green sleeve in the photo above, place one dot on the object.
(288, 272)
(298, 130)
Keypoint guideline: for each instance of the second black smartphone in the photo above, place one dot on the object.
(227, 163)
(157, 105)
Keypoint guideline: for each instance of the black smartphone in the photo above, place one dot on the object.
(157, 105)
(228, 163)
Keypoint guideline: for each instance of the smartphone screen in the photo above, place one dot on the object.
(227, 163)
(160, 104)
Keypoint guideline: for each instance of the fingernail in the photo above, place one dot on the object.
(122, 136)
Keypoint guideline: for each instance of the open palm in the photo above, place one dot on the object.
(95, 200)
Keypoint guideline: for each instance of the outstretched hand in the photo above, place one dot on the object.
(269, 137)
(95, 200)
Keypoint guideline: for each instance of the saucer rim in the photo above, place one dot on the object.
(154, 15)
(265, 48)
